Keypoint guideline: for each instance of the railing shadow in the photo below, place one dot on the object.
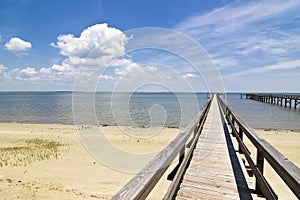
(242, 186)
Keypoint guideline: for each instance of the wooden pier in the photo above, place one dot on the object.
(214, 171)
(278, 99)
(210, 150)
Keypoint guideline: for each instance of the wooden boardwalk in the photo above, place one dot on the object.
(210, 166)
(214, 171)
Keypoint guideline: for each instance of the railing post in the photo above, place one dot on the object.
(195, 132)
(260, 167)
(233, 126)
(241, 137)
(181, 154)
(226, 112)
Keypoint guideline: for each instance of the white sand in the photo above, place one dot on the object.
(33, 167)
(288, 143)
(67, 171)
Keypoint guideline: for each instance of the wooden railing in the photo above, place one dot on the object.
(144, 181)
(288, 171)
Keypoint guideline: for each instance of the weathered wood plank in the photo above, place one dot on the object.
(206, 193)
(210, 174)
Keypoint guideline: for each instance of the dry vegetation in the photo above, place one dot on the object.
(32, 150)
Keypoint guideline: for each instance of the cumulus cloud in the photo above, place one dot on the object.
(61, 68)
(26, 74)
(96, 46)
(16, 44)
(98, 53)
(93, 46)
(124, 65)
(93, 38)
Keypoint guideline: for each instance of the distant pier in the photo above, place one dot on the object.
(278, 99)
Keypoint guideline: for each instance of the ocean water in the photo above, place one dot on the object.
(138, 109)
(262, 115)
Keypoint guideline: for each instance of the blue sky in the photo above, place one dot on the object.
(255, 45)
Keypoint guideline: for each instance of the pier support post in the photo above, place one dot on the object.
(285, 102)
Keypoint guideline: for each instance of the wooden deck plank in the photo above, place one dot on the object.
(211, 173)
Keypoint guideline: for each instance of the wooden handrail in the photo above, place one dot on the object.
(182, 168)
(287, 170)
(143, 182)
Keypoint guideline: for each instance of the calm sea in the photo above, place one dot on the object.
(140, 109)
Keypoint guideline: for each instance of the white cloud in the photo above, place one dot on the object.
(29, 71)
(27, 74)
(124, 65)
(91, 47)
(268, 68)
(247, 28)
(106, 77)
(17, 45)
(2, 68)
(244, 35)
(152, 68)
(234, 17)
(226, 62)
(95, 47)
(61, 68)
(95, 38)
(189, 75)
(45, 70)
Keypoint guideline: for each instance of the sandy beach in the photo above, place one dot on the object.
(287, 142)
(48, 161)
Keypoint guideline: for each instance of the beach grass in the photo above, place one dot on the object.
(32, 150)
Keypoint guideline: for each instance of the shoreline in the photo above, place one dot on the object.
(60, 167)
(98, 125)
(141, 126)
